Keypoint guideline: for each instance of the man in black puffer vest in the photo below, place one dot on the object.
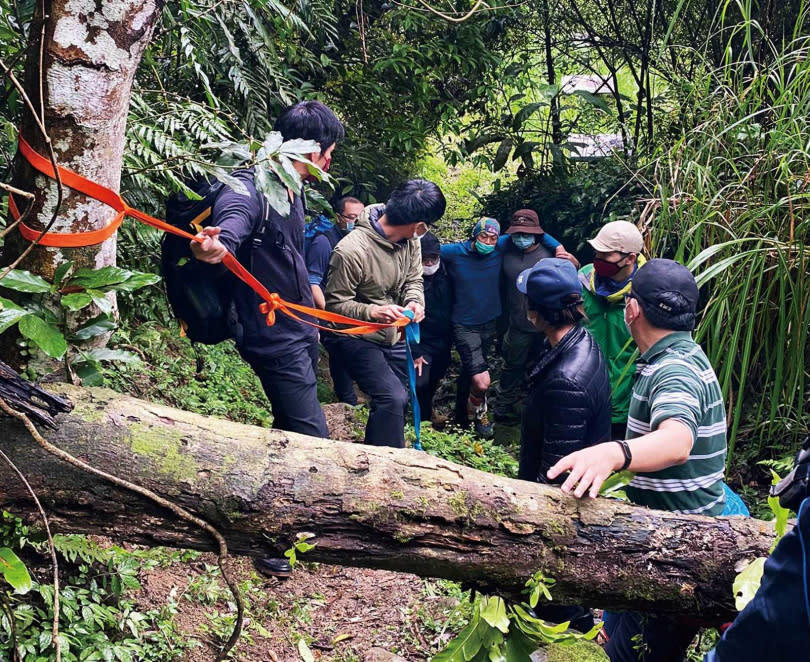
(568, 405)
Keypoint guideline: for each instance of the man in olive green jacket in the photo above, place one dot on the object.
(375, 273)
(617, 256)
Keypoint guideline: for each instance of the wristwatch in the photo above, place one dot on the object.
(628, 456)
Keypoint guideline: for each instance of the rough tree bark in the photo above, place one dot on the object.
(373, 507)
(90, 55)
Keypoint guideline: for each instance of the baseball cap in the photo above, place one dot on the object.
(486, 224)
(667, 293)
(525, 221)
(548, 282)
(430, 244)
(621, 236)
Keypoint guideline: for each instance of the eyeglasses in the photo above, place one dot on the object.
(349, 217)
(629, 296)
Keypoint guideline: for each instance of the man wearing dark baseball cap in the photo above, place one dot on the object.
(675, 442)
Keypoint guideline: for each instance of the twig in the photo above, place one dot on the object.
(55, 627)
(12, 625)
(459, 17)
(15, 191)
(165, 503)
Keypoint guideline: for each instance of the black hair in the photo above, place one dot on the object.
(310, 120)
(572, 313)
(671, 322)
(414, 201)
(340, 205)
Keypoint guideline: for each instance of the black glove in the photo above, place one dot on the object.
(795, 487)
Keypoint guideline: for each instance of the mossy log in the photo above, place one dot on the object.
(373, 507)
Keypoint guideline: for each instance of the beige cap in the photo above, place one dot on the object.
(621, 236)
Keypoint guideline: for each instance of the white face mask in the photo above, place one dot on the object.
(429, 271)
(420, 231)
(626, 323)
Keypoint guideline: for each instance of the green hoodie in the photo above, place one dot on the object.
(606, 324)
(367, 270)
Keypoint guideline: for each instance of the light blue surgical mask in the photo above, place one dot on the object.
(349, 227)
(484, 249)
(523, 241)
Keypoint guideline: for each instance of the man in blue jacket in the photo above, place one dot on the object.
(318, 253)
(475, 269)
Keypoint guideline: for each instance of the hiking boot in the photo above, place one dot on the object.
(273, 567)
(484, 428)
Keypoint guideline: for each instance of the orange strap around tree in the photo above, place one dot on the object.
(271, 301)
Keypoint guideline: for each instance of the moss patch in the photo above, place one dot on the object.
(579, 651)
(162, 447)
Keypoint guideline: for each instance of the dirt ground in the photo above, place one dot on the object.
(345, 613)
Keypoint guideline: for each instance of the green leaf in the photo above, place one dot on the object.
(100, 299)
(62, 271)
(595, 100)
(89, 374)
(518, 647)
(104, 354)
(10, 314)
(525, 113)
(780, 514)
(135, 282)
(14, 571)
(25, 281)
(94, 327)
(501, 155)
(467, 640)
(493, 611)
(272, 189)
(94, 279)
(47, 337)
(747, 583)
(304, 651)
(76, 300)
(615, 482)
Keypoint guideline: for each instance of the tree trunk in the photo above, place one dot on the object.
(90, 54)
(372, 507)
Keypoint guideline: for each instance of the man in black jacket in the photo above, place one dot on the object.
(432, 354)
(568, 405)
(284, 356)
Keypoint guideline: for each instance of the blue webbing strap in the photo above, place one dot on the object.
(412, 336)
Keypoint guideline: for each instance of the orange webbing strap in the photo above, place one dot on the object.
(272, 301)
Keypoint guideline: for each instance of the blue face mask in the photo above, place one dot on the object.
(523, 241)
(349, 227)
(484, 249)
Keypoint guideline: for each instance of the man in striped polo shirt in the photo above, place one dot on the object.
(675, 444)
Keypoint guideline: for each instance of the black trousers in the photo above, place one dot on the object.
(341, 379)
(381, 371)
(291, 386)
(437, 356)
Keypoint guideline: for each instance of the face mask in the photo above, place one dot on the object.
(523, 241)
(420, 231)
(430, 270)
(607, 269)
(484, 249)
(626, 323)
(349, 227)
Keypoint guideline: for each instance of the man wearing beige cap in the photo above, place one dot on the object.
(617, 256)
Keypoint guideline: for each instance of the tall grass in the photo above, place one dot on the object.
(733, 197)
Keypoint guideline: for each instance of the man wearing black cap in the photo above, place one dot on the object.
(676, 437)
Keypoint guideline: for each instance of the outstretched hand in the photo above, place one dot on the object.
(210, 249)
(588, 468)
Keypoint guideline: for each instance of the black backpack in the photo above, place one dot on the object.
(199, 294)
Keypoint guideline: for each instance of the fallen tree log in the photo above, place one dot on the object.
(372, 507)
